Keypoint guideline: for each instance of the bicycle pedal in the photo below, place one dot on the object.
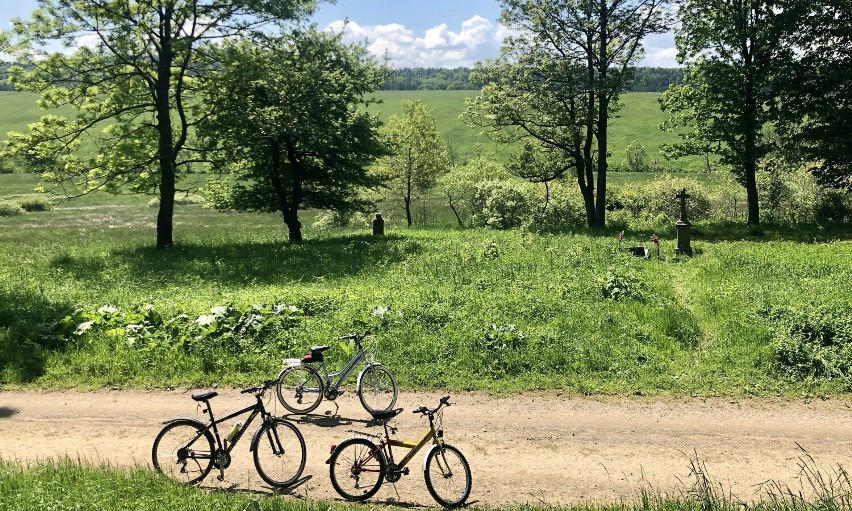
(405, 471)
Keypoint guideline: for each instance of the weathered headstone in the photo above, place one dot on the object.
(683, 226)
(378, 225)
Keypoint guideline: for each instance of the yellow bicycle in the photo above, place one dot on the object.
(358, 466)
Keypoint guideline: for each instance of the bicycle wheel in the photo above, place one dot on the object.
(279, 453)
(183, 451)
(299, 388)
(357, 469)
(447, 476)
(377, 389)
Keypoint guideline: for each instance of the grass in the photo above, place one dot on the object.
(65, 484)
(461, 309)
(638, 119)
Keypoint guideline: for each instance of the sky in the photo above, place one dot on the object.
(415, 33)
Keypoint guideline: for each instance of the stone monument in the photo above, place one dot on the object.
(683, 226)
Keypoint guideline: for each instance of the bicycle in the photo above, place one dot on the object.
(187, 449)
(301, 388)
(358, 466)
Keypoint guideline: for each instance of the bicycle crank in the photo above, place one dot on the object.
(331, 393)
(394, 473)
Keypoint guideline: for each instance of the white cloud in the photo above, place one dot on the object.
(437, 47)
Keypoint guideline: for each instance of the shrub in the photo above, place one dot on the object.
(180, 200)
(10, 209)
(565, 209)
(34, 203)
(501, 204)
(658, 197)
(635, 157)
(618, 285)
(833, 206)
(219, 196)
(813, 342)
(331, 219)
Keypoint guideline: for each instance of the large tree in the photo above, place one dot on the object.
(128, 72)
(814, 114)
(732, 51)
(291, 124)
(558, 81)
(417, 154)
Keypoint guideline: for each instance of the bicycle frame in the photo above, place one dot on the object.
(358, 357)
(387, 443)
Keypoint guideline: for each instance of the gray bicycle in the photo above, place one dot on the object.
(301, 387)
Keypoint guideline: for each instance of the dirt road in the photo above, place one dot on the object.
(536, 448)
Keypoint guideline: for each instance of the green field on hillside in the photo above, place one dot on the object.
(639, 119)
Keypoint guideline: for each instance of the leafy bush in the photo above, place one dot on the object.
(813, 342)
(331, 219)
(501, 204)
(219, 196)
(621, 285)
(564, 210)
(834, 206)
(658, 198)
(32, 203)
(10, 209)
(180, 200)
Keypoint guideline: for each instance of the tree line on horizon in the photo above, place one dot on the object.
(646, 79)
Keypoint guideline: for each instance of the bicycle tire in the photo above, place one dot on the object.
(351, 459)
(377, 389)
(291, 385)
(279, 453)
(450, 488)
(183, 451)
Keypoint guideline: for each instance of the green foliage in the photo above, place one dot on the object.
(501, 204)
(31, 203)
(618, 285)
(417, 157)
(291, 126)
(813, 342)
(657, 197)
(9, 208)
(635, 157)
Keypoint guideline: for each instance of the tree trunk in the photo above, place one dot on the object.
(407, 200)
(165, 144)
(289, 207)
(751, 133)
(603, 115)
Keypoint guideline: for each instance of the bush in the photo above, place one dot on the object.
(658, 198)
(10, 209)
(218, 196)
(833, 206)
(501, 204)
(180, 200)
(330, 219)
(813, 342)
(564, 210)
(32, 203)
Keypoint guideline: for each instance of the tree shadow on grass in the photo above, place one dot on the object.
(25, 320)
(736, 231)
(249, 262)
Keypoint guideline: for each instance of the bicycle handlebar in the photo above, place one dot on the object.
(268, 384)
(356, 337)
(445, 401)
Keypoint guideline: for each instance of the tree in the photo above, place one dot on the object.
(418, 154)
(558, 81)
(130, 76)
(459, 184)
(732, 50)
(291, 124)
(635, 157)
(814, 114)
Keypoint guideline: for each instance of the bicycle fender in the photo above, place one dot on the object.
(185, 419)
(361, 374)
(426, 456)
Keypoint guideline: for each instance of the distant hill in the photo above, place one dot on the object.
(647, 79)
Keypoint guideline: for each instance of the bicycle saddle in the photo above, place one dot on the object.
(319, 349)
(204, 396)
(385, 415)
(315, 355)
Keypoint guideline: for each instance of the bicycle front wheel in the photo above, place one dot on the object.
(377, 389)
(447, 476)
(299, 389)
(183, 451)
(279, 453)
(357, 468)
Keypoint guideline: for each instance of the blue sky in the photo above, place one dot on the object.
(413, 33)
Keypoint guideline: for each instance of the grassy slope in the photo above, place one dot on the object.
(638, 120)
(695, 329)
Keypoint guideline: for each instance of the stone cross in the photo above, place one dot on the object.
(682, 195)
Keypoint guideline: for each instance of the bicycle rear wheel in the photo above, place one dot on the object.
(377, 389)
(447, 476)
(299, 389)
(183, 451)
(357, 469)
(279, 453)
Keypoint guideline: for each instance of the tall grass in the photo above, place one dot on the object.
(465, 309)
(65, 484)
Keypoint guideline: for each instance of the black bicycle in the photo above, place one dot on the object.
(187, 449)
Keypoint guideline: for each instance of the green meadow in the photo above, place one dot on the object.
(638, 119)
